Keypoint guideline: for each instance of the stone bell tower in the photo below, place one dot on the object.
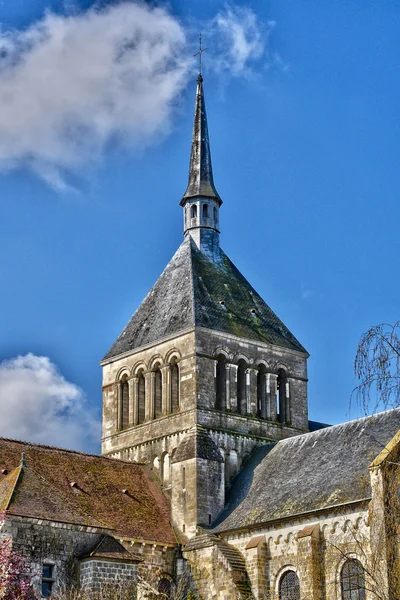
(204, 371)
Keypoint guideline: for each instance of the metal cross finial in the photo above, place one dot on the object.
(199, 53)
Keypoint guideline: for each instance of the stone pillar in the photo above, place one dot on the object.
(287, 402)
(272, 379)
(166, 389)
(119, 407)
(253, 392)
(135, 399)
(248, 391)
(131, 387)
(149, 397)
(227, 386)
(232, 400)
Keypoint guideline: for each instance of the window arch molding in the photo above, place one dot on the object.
(121, 373)
(261, 361)
(349, 557)
(156, 362)
(280, 576)
(172, 354)
(221, 350)
(246, 359)
(139, 366)
(280, 365)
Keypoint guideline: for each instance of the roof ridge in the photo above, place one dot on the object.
(330, 427)
(70, 450)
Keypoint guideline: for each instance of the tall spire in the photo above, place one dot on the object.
(201, 181)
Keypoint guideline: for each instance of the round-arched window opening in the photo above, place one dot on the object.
(205, 211)
(193, 211)
(165, 588)
(352, 580)
(289, 586)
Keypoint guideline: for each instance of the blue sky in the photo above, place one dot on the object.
(304, 133)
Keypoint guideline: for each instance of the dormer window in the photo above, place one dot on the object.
(205, 211)
(193, 211)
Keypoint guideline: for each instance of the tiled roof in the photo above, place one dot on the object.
(73, 487)
(308, 472)
(195, 291)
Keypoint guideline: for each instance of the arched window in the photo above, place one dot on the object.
(289, 586)
(220, 402)
(157, 392)
(262, 411)
(193, 211)
(205, 211)
(283, 400)
(352, 580)
(241, 388)
(123, 415)
(215, 215)
(165, 588)
(174, 386)
(141, 397)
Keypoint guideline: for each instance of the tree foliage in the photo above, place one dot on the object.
(15, 578)
(377, 367)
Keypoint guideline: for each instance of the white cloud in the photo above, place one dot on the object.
(38, 404)
(241, 40)
(70, 84)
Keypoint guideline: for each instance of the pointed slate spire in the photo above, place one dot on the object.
(201, 181)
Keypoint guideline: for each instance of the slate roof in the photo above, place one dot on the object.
(201, 180)
(189, 293)
(110, 548)
(308, 472)
(43, 489)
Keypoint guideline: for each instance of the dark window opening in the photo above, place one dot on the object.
(164, 588)
(262, 411)
(205, 211)
(174, 386)
(289, 587)
(283, 415)
(352, 580)
(47, 580)
(124, 403)
(142, 397)
(209, 519)
(241, 388)
(193, 211)
(215, 215)
(183, 477)
(220, 403)
(157, 393)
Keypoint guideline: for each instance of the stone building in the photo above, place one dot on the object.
(209, 460)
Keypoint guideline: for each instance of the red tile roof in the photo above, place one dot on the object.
(43, 490)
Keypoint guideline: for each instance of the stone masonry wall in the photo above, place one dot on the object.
(95, 573)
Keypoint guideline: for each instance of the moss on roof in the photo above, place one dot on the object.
(308, 472)
(73, 487)
(195, 291)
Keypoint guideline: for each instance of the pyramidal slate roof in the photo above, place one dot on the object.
(308, 472)
(190, 292)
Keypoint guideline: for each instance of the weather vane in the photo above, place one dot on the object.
(199, 53)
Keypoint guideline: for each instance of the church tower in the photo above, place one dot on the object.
(204, 371)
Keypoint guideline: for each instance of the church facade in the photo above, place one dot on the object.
(210, 464)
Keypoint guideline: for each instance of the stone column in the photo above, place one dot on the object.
(232, 401)
(149, 395)
(166, 389)
(248, 391)
(287, 402)
(227, 386)
(131, 393)
(119, 406)
(135, 400)
(266, 404)
(253, 392)
(271, 394)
